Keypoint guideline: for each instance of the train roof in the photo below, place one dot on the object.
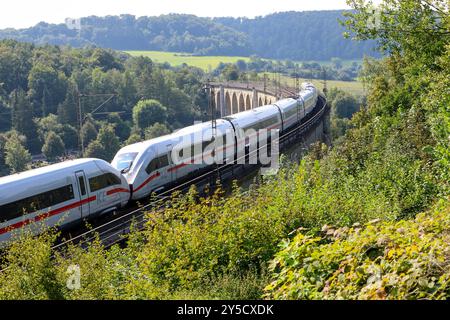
(173, 137)
(44, 170)
(144, 145)
(252, 116)
(285, 102)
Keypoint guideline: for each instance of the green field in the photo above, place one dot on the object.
(206, 63)
(353, 87)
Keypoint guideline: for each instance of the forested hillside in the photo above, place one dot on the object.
(292, 35)
(313, 35)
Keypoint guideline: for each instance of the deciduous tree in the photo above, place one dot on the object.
(16, 156)
(148, 112)
(53, 146)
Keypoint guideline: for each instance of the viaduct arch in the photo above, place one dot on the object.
(233, 99)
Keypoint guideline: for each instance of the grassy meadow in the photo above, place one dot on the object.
(208, 63)
(355, 88)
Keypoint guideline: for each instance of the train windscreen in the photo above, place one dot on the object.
(125, 161)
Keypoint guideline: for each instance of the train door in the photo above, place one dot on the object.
(83, 192)
(169, 173)
(239, 145)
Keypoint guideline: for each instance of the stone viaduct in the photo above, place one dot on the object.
(233, 98)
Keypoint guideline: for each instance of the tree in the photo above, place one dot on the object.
(156, 130)
(337, 63)
(22, 118)
(121, 128)
(47, 88)
(107, 138)
(46, 125)
(5, 122)
(15, 64)
(16, 156)
(148, 112)
(242, 65)
(134, 138)
(67, 110)
(339, 127)
(104, 59)
(105, 146)
(88, 132)
(53, 146)
(344, 106)
(3, 141)
(69, 135)
(180, 108)
(416, 30)
(231, 72)
(95, 150)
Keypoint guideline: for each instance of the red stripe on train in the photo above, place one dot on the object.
(152, 177)
(117, 190)
(46, 215)
(180, 166)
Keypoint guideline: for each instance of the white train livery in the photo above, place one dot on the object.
(59, 194)
(148, 166)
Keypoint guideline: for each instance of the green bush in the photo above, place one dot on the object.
(381, 260)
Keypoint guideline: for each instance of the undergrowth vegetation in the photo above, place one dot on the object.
(407, 259)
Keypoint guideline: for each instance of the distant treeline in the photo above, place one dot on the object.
(314, 35)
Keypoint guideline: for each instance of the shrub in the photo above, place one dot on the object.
(381, 260)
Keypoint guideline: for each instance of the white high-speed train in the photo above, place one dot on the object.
(149, 166)
(59, 194)
(68, 192)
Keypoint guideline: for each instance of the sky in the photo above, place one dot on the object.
(26, 13)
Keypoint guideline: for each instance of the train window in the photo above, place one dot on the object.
(186, 152)
(113, 179)
(291, 112)
(158, 163)
(82, 185)
(103, 181)
(125, 160)
(163, 161)
(271, 121)
(265, 124)
(37, 202)
(152, 166)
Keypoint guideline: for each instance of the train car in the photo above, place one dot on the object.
(292, 111)
(247, 126)
(59, 195)
(153, 165)
(308, 95)
(265, 117)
